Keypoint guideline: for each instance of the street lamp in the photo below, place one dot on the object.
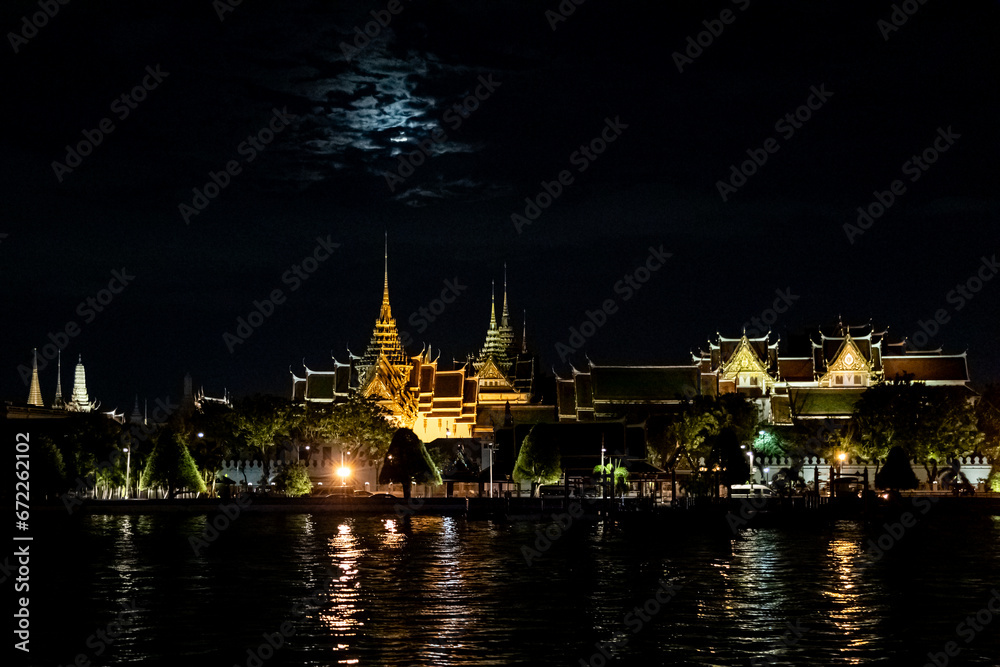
(343, 471)
(490, 447)
(128, 464)
(840, 466)
(750, 454)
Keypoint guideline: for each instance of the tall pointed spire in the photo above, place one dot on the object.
(493, 305)
(506, 330)
(385, 337)
(499, 339)
(505, 317)
(386, 312)
(59, 401)
(79, 401)
(35, 392)
(136, 417)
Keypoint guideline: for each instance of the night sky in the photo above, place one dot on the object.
(313, 123)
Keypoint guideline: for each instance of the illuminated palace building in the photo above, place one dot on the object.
(436, 399)
(819, 376)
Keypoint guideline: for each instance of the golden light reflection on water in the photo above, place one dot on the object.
(341, 614)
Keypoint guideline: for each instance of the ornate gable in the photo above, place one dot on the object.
(745, 367)
(849, 367)
(743, 360)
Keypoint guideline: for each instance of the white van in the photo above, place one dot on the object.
(758, 491)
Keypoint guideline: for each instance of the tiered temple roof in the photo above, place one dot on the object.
(80, 401)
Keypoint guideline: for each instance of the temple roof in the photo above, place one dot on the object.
(796, 369)
(823, 402)
(928, 368)
(385, 340)
(643, 383)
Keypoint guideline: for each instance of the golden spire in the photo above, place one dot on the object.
(505, 316)
(35, 393)
(386, 312)
(493, 305)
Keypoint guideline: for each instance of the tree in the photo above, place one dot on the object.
(897, 473)
(739, 414)
(210, 440)
(539, 461)
(407, 461)
(170, 465)
(618, 473)
(988, 421)
(359, 427)
(293, 479)
(49, 471)
(930, 424)
(258, 422)
(730, 457)
(772, 441)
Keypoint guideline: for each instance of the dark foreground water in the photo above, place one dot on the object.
(333, 590)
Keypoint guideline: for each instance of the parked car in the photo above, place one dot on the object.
(754, 491)
(382, 496)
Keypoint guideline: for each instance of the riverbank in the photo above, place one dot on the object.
(739, 513)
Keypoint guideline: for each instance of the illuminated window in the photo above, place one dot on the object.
(857, 379)
(840, 379)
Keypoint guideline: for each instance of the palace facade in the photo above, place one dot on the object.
(433, 398)
(820, 375)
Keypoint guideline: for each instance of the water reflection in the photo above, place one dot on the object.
(444, 590)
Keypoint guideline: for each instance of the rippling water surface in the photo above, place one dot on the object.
(448, 591)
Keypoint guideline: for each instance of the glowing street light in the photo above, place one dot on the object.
(343, 471)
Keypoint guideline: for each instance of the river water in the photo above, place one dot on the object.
(426, 590)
